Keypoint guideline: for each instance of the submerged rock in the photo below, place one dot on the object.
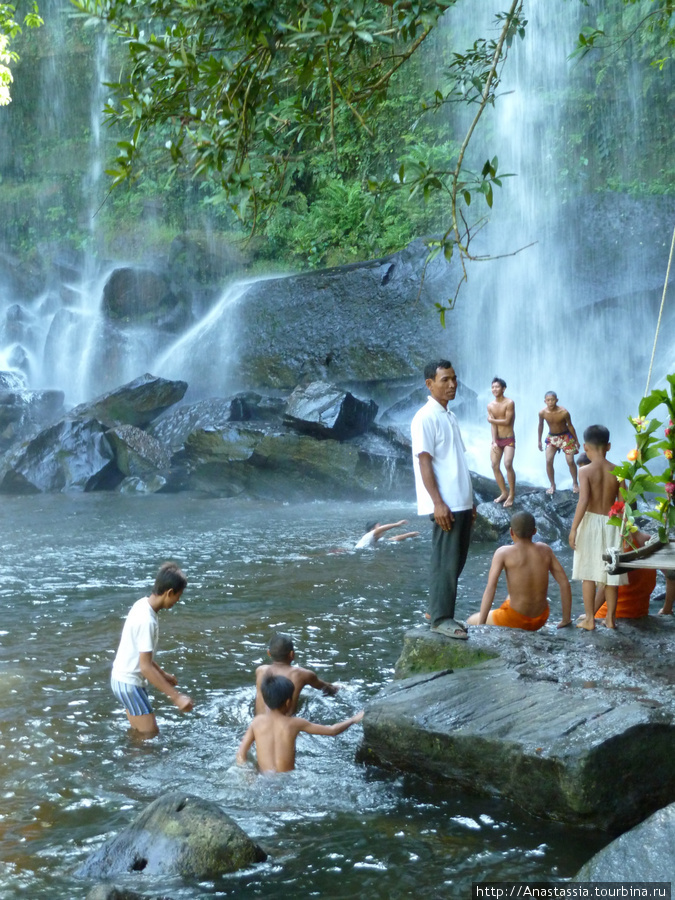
(324, 410)
(645, 853)
(570, 732)
(177, 834)
(136, 403)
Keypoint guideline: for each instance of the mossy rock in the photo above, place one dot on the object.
(425, 651)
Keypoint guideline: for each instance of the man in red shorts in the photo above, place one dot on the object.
(501, 416)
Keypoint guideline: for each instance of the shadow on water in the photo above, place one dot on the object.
(71, 774)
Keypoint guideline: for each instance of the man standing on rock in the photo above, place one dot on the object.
(444, 492)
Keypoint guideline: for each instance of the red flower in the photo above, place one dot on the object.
(670, 488)
(617, 509)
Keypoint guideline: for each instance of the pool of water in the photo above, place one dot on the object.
(72, 774)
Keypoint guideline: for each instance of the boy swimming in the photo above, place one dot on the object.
(282, 654)
(275, 731)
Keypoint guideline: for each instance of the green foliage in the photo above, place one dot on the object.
(10, 28)
(639, 481)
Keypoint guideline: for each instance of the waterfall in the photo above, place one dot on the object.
(550, 318)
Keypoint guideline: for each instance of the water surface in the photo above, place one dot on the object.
(71, 774)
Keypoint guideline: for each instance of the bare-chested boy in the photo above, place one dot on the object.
(527, 566)
(274, 732)
(501, 416)
(282, 654)
(561, 436)
(591, 534)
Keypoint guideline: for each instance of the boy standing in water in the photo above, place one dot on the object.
(561, 436)
(275, 731)
(134, 664)
(501, 416)
(591, 534)
(527, 566)
(282, 654)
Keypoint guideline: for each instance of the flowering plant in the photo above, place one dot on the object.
(638, 480)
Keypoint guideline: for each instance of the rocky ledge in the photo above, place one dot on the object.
(573, 726)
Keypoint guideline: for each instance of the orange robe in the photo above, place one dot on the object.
(509, 618)
(633, 598)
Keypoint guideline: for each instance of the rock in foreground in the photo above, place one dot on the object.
(177, 834)
(645, 853)
(558, 724)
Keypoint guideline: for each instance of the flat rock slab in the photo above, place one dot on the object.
(585, 746)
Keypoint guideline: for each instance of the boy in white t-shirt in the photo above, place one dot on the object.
(134, 664)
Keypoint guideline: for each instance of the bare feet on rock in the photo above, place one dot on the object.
(501, 498)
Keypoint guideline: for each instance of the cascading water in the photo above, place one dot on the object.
(550, 318)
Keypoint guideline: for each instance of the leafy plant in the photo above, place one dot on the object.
(639, 480)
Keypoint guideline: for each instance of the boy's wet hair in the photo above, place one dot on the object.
(371, 526)
(280, 648)
(583, 460)
(276, 690)
(499, 381)
(169, 578)
(596, 435)
(550, 394)
(523, 524)
(431, 367)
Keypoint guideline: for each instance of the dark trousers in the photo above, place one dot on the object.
(449, 550)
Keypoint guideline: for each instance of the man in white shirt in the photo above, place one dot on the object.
(444, 492)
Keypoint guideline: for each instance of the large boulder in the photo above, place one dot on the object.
(142, 296)
(324, 410)
(137, 453)
(177, 834)
(136, 403)
(645, 853)
(24, 412)
(73, 455)
(576, 734)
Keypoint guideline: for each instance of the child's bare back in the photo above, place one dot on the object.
(527, 566)
(601, 486)
(275, 731)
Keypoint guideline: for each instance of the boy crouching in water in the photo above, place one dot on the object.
(282, 654)
(527, 566)
(275, 731)
(591, 535)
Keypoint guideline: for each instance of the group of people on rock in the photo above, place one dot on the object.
(444, 492)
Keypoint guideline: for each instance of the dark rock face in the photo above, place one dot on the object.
(361, 324)
(323, 410)
(140, 295)
(645, 853)
(177, 834)
(24, 412)
(68, 456)
(569, 732)
(136, 403)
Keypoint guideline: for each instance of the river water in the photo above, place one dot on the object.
(71, 772)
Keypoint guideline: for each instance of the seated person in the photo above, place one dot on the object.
(374, 532)
(282, 654)
(275, 731)
(633, 598)
(527, 566)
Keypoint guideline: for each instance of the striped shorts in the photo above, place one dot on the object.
(132, 697)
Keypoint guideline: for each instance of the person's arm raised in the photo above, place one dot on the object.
(330, 730)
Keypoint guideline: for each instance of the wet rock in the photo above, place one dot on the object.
(68, 456)
(645, 853)
(111, 892)
(140, 295)
(23, 413)
(13, 381)
(173, 427)
(323, 410)
(151, 484)
(177, 834)
(386, 463)
(136, 403)
(138, 454)
(570, 732)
